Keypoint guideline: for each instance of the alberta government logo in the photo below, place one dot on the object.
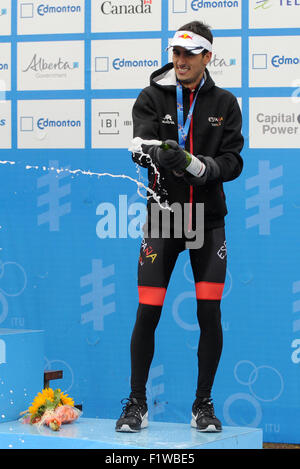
(39, 64)
(142, 7)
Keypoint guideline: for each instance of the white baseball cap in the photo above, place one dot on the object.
(190, 41)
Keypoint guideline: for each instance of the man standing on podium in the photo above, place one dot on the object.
(185, 109)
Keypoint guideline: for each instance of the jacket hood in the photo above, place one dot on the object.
(165, 77)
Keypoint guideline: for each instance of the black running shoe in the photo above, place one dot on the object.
(134, 416)
(203, 416)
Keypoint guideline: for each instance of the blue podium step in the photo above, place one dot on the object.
(100, 434)
(21, 370)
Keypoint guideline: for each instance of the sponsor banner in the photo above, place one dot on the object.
(274, 61)
(51, 65)
(5, 17)
(50, 17)
(111, 123)
(219, 14)
(225, 66)
(274, 13)
(124, 64)
(274, 123)
(51, 124)
(125, 15)
(5, 67)
(5, 124)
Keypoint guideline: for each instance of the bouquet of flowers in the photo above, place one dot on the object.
(52, 408)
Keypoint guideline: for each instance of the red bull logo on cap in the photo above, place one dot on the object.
(186, 36)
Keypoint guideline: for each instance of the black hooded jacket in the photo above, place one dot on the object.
(215, 131)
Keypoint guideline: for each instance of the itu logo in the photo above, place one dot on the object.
(267, 192)
(99, 299)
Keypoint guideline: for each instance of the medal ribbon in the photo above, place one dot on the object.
(183, 128)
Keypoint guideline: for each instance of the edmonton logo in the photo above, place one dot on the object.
(119, 63)
(199, 5)
(3, 67)
(43, 10)
(44, 123)
(278, 60)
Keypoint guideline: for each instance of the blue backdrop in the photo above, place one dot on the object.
(69, 74)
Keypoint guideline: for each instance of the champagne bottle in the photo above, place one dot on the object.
(193, 165)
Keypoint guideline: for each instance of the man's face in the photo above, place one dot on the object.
(189, 67)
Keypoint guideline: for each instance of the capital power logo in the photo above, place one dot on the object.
(222, 14)
(51, 124)
(126, 15)
(51, 65)
(61, 16)
(274, 123)
(274, 61)
(124, 64)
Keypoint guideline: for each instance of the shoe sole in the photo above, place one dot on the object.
(208, 429)
(127, 429)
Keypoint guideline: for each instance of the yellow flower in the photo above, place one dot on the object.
(40, 399)
(46, 400)
(66, 400)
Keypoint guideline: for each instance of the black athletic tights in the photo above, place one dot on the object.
(156, 263)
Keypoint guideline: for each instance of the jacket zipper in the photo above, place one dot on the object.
(191, 151)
